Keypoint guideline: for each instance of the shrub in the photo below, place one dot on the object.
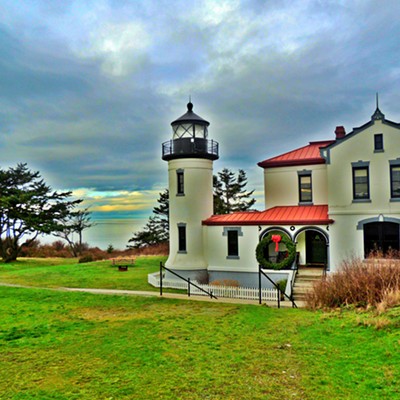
(86, 258)
(359, 283)
(225, 282)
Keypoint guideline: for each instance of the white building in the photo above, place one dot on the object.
(335, 199)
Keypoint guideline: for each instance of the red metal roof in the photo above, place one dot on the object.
(281, 215)
(305, 155)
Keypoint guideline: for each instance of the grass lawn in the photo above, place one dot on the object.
(56, 272)
(64, 345)
(58, 345)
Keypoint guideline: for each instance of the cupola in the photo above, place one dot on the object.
(190, 138)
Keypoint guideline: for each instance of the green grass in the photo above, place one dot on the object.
(57, 345)
(63, 345)
(53, 272)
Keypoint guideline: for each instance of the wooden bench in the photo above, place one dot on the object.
(123, 263)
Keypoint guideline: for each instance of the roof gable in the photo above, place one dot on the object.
(377, 116)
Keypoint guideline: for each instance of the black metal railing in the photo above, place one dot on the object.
(188, 281)
(190, 148)
(261, 272)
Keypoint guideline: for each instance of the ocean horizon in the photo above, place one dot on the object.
(105, 232)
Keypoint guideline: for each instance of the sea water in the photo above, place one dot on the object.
(105, 232)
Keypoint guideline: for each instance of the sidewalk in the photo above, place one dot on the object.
(179, 296)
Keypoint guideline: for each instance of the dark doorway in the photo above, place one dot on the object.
(381, 236)
(316, 251)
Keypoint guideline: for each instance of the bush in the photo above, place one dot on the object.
(86, 258)
(358, 283)
(226, 282)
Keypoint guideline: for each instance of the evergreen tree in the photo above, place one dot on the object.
(28, 207)
(157, 228)
(230, 194)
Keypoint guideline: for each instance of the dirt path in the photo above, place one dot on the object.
(149, 294)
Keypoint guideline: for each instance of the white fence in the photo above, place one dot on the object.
(218, 291)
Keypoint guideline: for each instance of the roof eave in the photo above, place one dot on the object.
(291, 163)
(269, 222)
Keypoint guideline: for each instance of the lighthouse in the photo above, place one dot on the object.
(190, 155)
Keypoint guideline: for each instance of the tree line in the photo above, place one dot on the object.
(29, 208)
(229, 195)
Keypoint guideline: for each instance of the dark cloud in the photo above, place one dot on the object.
(88, 91)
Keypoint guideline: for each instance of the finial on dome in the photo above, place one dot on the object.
(190, 104)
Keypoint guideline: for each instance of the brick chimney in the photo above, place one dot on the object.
(340, 132)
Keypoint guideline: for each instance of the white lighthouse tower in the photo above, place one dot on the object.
(190, 155)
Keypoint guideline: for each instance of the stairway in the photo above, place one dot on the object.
(305, 278)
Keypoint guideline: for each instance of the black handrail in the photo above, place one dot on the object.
(188, 281)
(260, 271)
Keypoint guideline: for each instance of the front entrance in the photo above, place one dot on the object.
(316, 250)
(381, 236)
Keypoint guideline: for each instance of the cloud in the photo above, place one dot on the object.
(88, 88)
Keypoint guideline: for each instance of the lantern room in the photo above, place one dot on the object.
(190, 138)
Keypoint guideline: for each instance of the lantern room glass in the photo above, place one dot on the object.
(189, 131)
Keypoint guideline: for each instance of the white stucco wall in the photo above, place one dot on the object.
(217, 250)
(282, 188)
(346, 240)
(191, 209)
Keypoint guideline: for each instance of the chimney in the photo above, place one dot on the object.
(340, 132)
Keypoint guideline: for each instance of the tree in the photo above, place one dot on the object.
(157, 228)
(75, 222)
(230, 194)
(28, 207)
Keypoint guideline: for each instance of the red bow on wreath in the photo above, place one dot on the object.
(276, 239)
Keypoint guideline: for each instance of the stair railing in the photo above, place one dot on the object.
(261, 272)
(188, 281)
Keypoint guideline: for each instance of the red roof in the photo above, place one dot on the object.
(303, 156)
(281, 215)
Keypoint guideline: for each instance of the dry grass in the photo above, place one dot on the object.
(61, 250)
(359, 283)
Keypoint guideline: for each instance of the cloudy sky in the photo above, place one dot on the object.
(88, 88)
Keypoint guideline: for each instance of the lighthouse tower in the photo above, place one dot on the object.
(190, 155)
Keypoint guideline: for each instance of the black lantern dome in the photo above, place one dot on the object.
(190, 138)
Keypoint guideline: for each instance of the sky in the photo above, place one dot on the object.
(88, 88)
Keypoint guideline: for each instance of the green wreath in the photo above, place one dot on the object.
(265, 263)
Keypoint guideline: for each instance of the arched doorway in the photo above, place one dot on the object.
(312, 243)
(316, 250)
(381, 236)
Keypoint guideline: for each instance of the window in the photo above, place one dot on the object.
(378, 142)
(361, 183)
(182, 238)
(305, 187)
(233, 244)
(180, 191)
(232, 234)
(395, 181)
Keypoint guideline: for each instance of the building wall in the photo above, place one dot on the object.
(346, 239)
(282, 189)
(217, 249)
(190, 209)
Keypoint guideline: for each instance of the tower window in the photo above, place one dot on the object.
(180, 191)
(305, 187)
(378, 142)
(182, 238)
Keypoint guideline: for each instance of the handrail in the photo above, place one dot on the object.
(261, 272)
(188, 281)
